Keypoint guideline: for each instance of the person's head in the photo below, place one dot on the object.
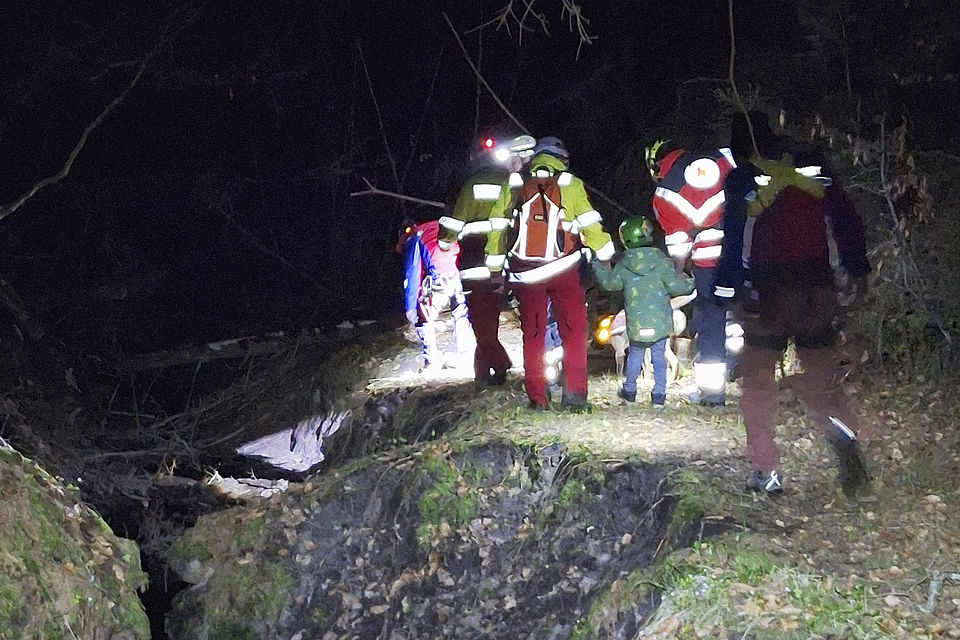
(509, 152)
(660, 158)
(742, 145)
(636, 231)
(552, 145)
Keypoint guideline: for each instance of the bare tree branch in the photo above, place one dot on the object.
(225, 207)
(71, 158)
(373, 191)
(376, 107)
(481, 78)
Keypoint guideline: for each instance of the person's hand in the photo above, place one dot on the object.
(411, 316)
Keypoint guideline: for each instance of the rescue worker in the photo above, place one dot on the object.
(431, 285)
(467, 227)
(689, 204)
(786, 219)
(552, 227)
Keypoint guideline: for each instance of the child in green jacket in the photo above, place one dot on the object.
(648, 281)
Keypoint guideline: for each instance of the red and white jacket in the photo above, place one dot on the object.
(688, 203)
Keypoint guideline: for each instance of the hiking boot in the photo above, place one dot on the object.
(657, 400)
(851, 466)
(498, 377)
(575, 403)
(765, 482)
(706, 400)
(536, 406)
(629, 396)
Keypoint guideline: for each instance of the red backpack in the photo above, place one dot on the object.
(540, 230)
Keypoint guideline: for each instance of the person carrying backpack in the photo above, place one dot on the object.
(787, 224)
(544, 235)
(465, 227)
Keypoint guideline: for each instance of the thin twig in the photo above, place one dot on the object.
(71, 158)
(908, 258)
(376, 107)
(226, 209)
(373, 191)
(481, 78)
(733, 82)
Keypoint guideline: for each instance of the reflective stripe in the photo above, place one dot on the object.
(443, 244)
(724, 292)
(495, 261)
(728, 154)
(839, 424)
(678, 250)
(589, 218)
(707, 253)
(542, 173)
(553, 356)
(677, 237)
(451, 223)
(747, 241)
(499, 224)
(477, 226)
(606, 252)
(515, 181)
(486, 192)
(710, 376)
(570, 227)
(762, 180)
(809, 171)
(710, 235)
(695, 214)
(733, 329)
(475, 273)
(544, 272)
(646, 333)
(734, 344)
(565, 179)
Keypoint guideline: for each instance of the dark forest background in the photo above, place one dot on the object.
(214, 201)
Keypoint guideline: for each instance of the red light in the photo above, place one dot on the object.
(488, 143)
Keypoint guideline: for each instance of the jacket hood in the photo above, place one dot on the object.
(545, 160)
(669, 160)
(640, 260)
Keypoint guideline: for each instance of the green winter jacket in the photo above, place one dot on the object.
(648, 281)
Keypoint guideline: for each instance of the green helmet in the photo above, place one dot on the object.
(636, 232)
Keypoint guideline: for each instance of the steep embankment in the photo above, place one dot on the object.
(515, 524)
(63, 573)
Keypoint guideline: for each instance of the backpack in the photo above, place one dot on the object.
(538, 231)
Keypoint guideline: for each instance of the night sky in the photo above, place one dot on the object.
(214, 201)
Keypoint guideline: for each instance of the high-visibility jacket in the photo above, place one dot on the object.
(689, 203)
(577, 219)
(469, 222)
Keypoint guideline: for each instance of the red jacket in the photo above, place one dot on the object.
(689, 202)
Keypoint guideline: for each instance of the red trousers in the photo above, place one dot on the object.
(818, 387)
(570, 311)
(483, 309)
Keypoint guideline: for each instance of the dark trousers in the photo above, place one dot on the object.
(709, 319)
